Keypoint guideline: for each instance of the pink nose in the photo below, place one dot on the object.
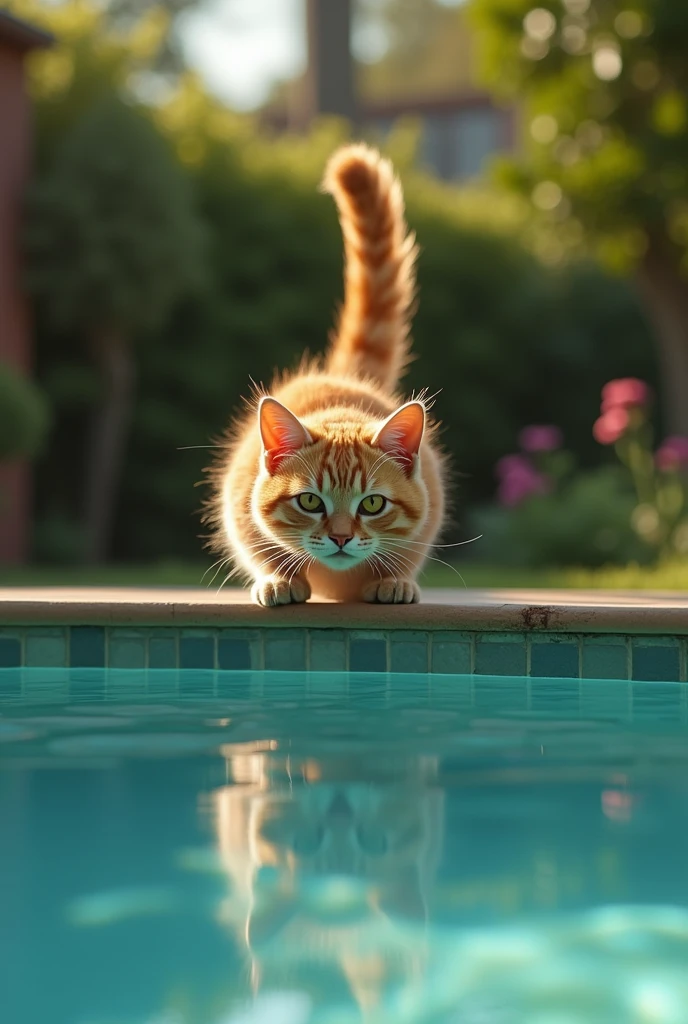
(340, 539)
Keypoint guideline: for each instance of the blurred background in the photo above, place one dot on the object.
(162, 240)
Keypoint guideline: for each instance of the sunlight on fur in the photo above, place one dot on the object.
(332, 485)
(329, 875)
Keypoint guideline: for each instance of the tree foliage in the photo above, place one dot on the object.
(504, 340)
(112, 236)
(606, 90)
(24, 415)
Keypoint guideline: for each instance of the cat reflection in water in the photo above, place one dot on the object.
(330, 876)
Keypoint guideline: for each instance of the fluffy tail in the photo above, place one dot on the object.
(372, 337)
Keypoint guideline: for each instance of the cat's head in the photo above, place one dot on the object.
(341, 492)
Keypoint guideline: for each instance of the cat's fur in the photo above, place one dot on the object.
(336, 433)
(290, 825)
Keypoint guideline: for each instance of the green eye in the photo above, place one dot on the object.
(310, 502)
(372, 505)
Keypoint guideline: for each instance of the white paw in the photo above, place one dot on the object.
(392, 591)
(274, 590)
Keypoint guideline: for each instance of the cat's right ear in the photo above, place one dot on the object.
(281, 432)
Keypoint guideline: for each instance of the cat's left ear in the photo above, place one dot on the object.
(401, 434)
(281, 432)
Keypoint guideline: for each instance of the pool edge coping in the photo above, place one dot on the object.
(518, 611)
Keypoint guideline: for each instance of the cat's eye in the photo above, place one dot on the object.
(310, 502)
(372, 505)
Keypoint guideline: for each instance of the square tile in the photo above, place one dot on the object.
(367, 655)
(409, 652)
(233, 654)
(285, 650)
(659, 662)
(10, 652)
(46, 651)
(501, 657)
(554, 658)
(451, 653)
(603, 658)
(197, 652)
(87, 646)
(126, 652)
(162, 652)
(327, 650)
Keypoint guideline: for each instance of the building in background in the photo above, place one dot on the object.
(17, 39)
(433, 80)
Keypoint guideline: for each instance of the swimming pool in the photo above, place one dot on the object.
(266, 848)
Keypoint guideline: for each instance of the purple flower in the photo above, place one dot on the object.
(672, 454)
(540, 438)
(518, 480)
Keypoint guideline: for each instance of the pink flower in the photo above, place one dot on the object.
(540, 439)
(519, 480)
(625, 393)
(672, 454)
(512, 464)
(611, 426)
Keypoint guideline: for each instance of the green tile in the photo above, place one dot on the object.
(233, 654)
(10, 652)
(503, 657)
(554, 658)
(285, 650)
(658, 661)
(126, 652)
(409, 652)
(197, 652)
(87, 647)
(46, 651)
(367, 655)
(451, 653)
(327, 650)
(604, 658)
(162, 652)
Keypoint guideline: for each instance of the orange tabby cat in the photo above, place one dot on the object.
(336, 488)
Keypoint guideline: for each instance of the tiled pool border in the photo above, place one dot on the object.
(546, 655)
(567, 636)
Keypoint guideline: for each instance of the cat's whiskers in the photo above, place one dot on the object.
(432, 558)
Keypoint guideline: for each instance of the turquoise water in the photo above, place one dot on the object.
(216, 849)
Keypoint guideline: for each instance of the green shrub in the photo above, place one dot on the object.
(502, 338)
(586, 522)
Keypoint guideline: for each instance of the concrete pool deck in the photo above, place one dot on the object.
(522, 611)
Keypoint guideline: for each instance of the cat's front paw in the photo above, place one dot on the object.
(392, 591)
(273, 590)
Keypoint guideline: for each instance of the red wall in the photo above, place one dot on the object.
(15, 126)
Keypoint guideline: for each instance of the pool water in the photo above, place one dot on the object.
(279, 849)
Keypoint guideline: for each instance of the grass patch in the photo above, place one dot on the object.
(673, 576)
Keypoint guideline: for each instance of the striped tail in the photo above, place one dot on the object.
(372, 337)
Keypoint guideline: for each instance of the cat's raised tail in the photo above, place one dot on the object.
(372, 337)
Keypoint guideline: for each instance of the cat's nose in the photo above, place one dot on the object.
(340, 539)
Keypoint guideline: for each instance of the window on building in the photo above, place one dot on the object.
(458, 144)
